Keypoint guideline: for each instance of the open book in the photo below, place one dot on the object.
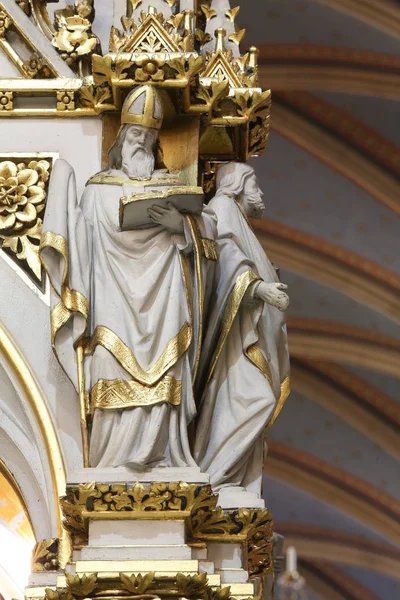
(133, 208)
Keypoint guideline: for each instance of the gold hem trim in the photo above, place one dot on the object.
(120, 394)
(174, 350)
(71, 300)
(209, 249)
(258, 359)
(232, 307)
(106, 179)
(285, 391)
(198, 249)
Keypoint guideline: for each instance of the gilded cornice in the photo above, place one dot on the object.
(383, 14)
(313, 542)
(357, 498)
(331, 583)
(332, 265)
(354, 400)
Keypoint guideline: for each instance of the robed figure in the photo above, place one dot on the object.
(244, 372)
(132, 301)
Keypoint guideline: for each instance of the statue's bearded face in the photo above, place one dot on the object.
(252, 198)
(137, 152)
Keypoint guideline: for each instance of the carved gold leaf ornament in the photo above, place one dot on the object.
(73, 36)
(45, 556)
(209, 13)
(149, 69)
(5, 22)
(22, 201)
(135, 3)
(232, 13)
(237, 37)
(192, 586)
(137, 584)
(81, 585)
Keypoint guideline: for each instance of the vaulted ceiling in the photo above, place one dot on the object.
(332, 223)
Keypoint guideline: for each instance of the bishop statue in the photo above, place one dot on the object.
(132, 301)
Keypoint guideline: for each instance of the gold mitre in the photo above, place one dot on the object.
(143, 107)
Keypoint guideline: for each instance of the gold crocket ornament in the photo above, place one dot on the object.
(166, 314)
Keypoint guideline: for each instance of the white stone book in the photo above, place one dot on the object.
(133, 209)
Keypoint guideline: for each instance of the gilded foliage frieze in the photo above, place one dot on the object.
(197, 505)
(148, 585)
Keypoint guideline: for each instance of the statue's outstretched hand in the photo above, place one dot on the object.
(170, 218)
(273, 294)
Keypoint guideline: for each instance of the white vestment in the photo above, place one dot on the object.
(134, 299)
(247, 380)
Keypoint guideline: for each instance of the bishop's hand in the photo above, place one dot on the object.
(273, 294)
(170, 218)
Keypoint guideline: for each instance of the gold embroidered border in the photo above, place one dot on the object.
(285, 391)
(197, 245)
(105, 179)
(232, 307)
(71, 300)
(175, 348)
(209, 249)
(258, 359)
(119, 393)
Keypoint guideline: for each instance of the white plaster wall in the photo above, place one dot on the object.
(7, 67)
(26, 319)
(76, 140)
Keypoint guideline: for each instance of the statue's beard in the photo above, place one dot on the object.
(255, 205)
(137, 161)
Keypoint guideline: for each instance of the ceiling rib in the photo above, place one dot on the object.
(336, 487)
(331, 265)
(353, 400)
(338, 154)
(313, 542)
(332, 583)
(382, 14)
(310, 340)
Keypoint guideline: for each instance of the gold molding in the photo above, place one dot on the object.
(313, 542)
(339, 397)
(338, 154)
(327, 264)
(283, 463)
(29, 387)
(382, 14)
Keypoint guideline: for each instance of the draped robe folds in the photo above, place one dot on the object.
(134, 299)
(244, 385)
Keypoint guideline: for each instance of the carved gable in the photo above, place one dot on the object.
(151, 37)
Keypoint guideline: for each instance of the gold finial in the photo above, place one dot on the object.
(253, 57)
(220, 35)
(152, 10)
